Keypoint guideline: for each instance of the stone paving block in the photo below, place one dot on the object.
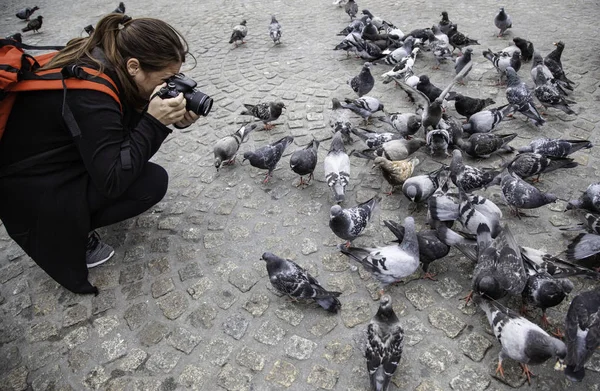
(356, 312)
(10, 271)
(136, 315)
(290, 312)
(153, 333)
(419, 297)
(342, 283)
(16, 379)
(437, 359)
(78, 359)
(158, 266)
(42, 331)
(193, 377)
(173, 305)
(95, 378)
(299, 348)
(76, 337)
(235, 326)
(161, 287)
(322, 377)
(322, 326)
(446, 321)
(470, 379)
(414, 330)
(218, 351)
(132, 361)
(448, 287)
(75, 315)
(234, 379)
(283, 373)
(250, 359)
(202, 316)
(162, 362)
(243, 279)
(269, 333)
(199, 288)
(114, 348)
(475, 346)
(257, 304)
(337, 352)
(428, 386)
(191, 271)
(103, 302)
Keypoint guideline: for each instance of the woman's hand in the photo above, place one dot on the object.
(167, 111)
(189, 118)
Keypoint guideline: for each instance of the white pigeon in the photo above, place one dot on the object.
(337, 167)
(275, 30)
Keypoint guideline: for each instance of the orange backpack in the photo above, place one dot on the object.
(19, 72)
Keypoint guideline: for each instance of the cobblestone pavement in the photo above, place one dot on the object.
(186, 303)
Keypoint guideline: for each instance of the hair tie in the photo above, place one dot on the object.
(123, 21)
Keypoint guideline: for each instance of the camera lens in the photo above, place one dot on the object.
(198, 102)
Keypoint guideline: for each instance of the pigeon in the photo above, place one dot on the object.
(377, 21)
(467, 106)
(584, 246)
(239, 33)
(530, 164)
(371, 33)
(351, 39)
(391, 263)
(519, 194)
(393, 150)
(521, 339)
(526, 48)
(337, 168)
(34, 25)
(589, 200)
(430, 90)
(589, 221)
(396, 172)
(351, 9)
(503, 21)
(432, 109)
(396, 56)
(458, 39)
(26, 13)
(502, 61)
(431, 247)
(364, 106)
(385, 341)
(266, 112)
(374, 139)
(349, 223)
(537, 67)
(555, 267)
(120, 8)
(303, 161)
(275, 30)
(367, 51)
(291, 279)
(15, 37)
(345, 128)
(439, 35)
(363, 83)
(518, 95)
(499, 270)
(408, 76)
(405, 64)
(268, 156)
(555, 147)
(469, 178)
(552, 61)
(226, 148)
(356, 25)
(582, 333)
(461, 62)
(486, 121)
(438, 139)
(420, 187)
(339, 3)
(550, 94)
(543, 290)
(471, 212)
(485, 144)
(445, 24)
(405, 124)
(438, 45)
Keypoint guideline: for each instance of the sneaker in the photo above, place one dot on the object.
(97, 252)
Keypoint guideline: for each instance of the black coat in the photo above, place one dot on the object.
(44, 208)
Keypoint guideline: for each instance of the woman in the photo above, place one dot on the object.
(104, 176)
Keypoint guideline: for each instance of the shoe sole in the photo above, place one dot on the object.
(100, 262)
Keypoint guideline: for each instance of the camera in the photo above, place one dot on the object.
(196, 101)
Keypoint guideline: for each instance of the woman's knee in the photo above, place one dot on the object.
(159, 180)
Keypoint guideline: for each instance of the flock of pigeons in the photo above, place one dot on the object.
(502, 267)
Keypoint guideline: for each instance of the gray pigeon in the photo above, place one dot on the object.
(584, 246)
(468, 106)
(519, 194)
(393, 150)
(485, 144)
(503, 21)
(521, 339)
(458, 39)
(266, 112)
(518, 95)
(226, 148)
(549, 95)
(363, 83)
(374, 139)
(365, 106)
(303, 161)
(25, 13)
(469, 178)
(499, 270)
(526, 48)
(419, 188)
(445, 24)
(501, 61)
(589, 200)
(405, 124)
(239, 33)
(337, 168)
(385, 341)
(391, 263)
(120, 8)
(538, 67)
(268, 156)
(461, 62)
(292, 280)
(275, 30)
(486, 121)
(349, 223)
(555, 147)
(582, 332)
(351, 9)
(431, 247)
(34, 25)
(397, 55)
(530, 164)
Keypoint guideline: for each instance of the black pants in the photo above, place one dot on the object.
(145, 192)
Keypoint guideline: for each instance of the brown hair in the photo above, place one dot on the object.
(153, 42)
